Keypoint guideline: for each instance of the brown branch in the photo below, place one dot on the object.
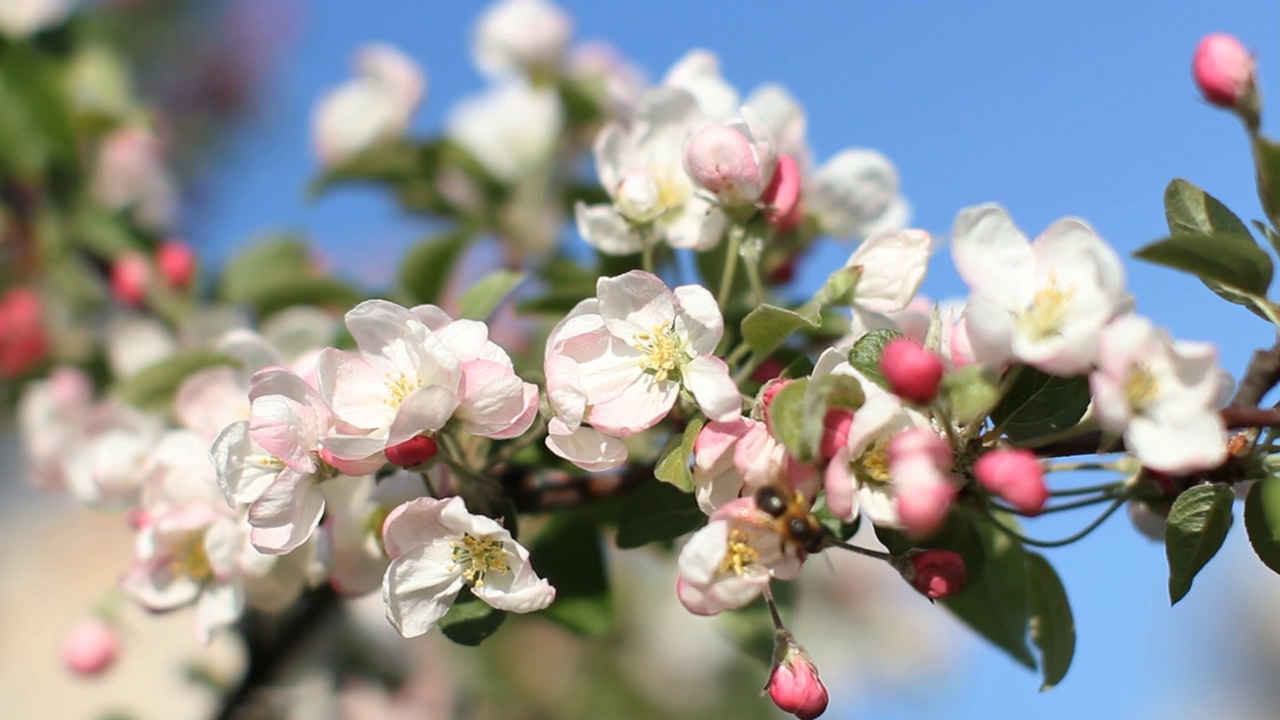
(543, 492)
(1090, 443)
(1262, 374)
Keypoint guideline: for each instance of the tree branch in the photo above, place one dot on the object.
(1262, 374)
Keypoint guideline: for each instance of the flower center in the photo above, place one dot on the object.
(662, 352)
(399, 388)
(873, 466)
(189, 559)
(1043, 319)
(478, 556)
(1140, 387)
(739, 555)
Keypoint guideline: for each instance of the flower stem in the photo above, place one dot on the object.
(1057, 543)
(1058, 508)
(730, 266)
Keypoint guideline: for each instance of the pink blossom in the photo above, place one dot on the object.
(794, 685)
(1015, 475)
(782, 207)
(919, 462)
(734, 162)
(1223, 69)
(412, 452)
(130, 276)
(913, 372)
(936, 574)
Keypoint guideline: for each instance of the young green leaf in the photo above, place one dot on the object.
(865, 354)
(426, 268)
(1190, 210)
(154, 387)
(787, 419)
(481, 299)
(1229, 258)
(1197, 524)
(673, 465)
(1053, 629)
(1262, 520)
(997, 603)
(767, 327)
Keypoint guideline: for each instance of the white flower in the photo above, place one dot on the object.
(511, 129)
(855, 194)
(892, 264)
(377, 104)
(620, 364)
(349, 542)
(1043, 303)
(698, 73)
(437, 547)
(735, 162)
(641, 166)
(515, 35)
(1161, 395)
(130, 174)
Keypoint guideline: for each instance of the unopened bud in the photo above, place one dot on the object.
(177, 263)
(130, 275)
(913, 372)
(24, 342)
(936, 574)
(1015, 475)
(1224, 71)
(767, 394)
(794, 685)
(90, 647)
(721, 159)
(413, 452)
(835, 431)
(781, 198)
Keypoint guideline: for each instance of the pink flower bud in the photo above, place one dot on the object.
(413, 452)
(922, 507)
(782, 197)
(919, 462)
(90, 647)
(722, 160)
(916, 443)
(913, 372)
(936, 574)
(23, 340)
(794, 685)
(176, 262)
(1015, 475)
(130, 274)
(835, 431)
(1224, 70)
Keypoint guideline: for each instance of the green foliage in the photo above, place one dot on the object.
(657, 512)
(767, 327)
(673, 463)
(1198, 523)
(426, 268)
(277, 273)
(1262, 520)
(1038, 404)
(865, 354)
(153, 388)
(469, 621)
(482, 299)
(568, 554)
(972, 392)
(1266, 160)
(996, 602)
(1053, 629)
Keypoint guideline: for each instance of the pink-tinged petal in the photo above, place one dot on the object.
(635, 302)
(699, 226)
(424, 410)
(520, 590)
(417, 522)
(993, 256)
(354, 389)
(527, 411)
(582, 319)
(990, 329)
(286, 514)
(287, 429)
(377, 324)
(698, 319)
(354, 448)
(490, 397)
(418, 589)
(432, 316)
(708, 378)
(243, 469)
(158, 587)
(589, 449)
(893, 265)
(640, 407)
(468, 340)
(607, 367)
(605, 229)
(220, 605)
(839, 485)
(1195, 443)
(210, 400)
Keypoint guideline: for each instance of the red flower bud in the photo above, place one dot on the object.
(936, 574)
(130, 274)
(177, 263)
(794, 685)
(835, 431)
(1015, 475)
(23, 340)
(1224, 70)
(913, 372)
(782, 197)
(90, 647)
(412, 452)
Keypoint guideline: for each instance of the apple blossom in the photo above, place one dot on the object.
(90, 647)
(625, 359)
(378, 104)
(794, 685)
(1161, 395)
(176, 262)
(698, 73)
(1224, 69)
(727, 564)
(781, 199)
(130, 276)
(920, 463)
(521, 35)
(437, 547)
(510, 129)
(741, 455)
(1043, 303)
(640, 165)
(734, 162)
(855, 194)
(936, 574)
(20, 18)
(349, 541)
(53, 416)
(130, 174)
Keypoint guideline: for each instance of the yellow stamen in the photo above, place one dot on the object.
(662, 352)
(478, 556)
(399, 388)
(1140, 387)
(189, 559)
(1043, 319)
(739, 555)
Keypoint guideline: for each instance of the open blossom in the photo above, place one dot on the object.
(1043, 303)
(510, 129)
(377, 104)
(640, 164)
(621, 362)
(436, 548)
(855, 194)
(741, 455)
(52, 416)
(891, 265)
(131, 174)
(728, 563)
(521, 35)
(698, 74)
(1161, 395)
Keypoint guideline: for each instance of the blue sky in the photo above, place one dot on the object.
(1083, 108)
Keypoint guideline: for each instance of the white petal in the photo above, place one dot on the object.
(707, 377)
(606, 230)
(698, 321)
(418, 588)
(589, 449)
(286, 514)
(993, 256)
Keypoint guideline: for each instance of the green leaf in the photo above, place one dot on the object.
(1262, 520)
(786, 416)
(263, 264)
(839, 289)
(1053, 629)
(1266, 160)
(972, 391)
(1269, 234)
(568, 554)
(1226, 258)
(767, 327)
(469, 623)
(673, 467)
(865, 354)
(1039, 404)
(426, 268)
(1197, 525)
(997, 604)
(481, 299)
(1190, 210)
(322, 291)
(154, 387)
(657, 512)
(822, 394)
